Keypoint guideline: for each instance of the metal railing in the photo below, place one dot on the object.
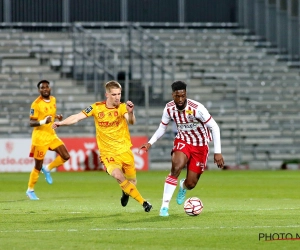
(93, 60)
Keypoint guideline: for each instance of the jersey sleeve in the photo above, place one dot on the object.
(165, 117)
(202, 113)
(34, 111)
(89, 111)
(123, 109)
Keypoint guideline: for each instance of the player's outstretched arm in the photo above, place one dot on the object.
(158, 133)
(69, 120)
(36, 123)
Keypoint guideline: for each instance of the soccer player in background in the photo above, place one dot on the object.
(42, 116)
(113, 138)
(196, 128)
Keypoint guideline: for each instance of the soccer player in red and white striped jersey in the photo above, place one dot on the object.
(196, 128)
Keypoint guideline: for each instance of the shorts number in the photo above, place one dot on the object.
(180, 145)
(40, 154)
(110, 159)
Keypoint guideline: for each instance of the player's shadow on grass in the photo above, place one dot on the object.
(154, 217)
(72, 218)
(117, 218)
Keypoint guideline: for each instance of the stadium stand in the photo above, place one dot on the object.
(252, 95)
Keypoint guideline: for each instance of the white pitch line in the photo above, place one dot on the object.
(143, 229)
(271, 209)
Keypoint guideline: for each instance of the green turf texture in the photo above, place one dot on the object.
(82, 210)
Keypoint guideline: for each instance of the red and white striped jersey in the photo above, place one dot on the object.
(190, 122)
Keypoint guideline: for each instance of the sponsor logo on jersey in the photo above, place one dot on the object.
(187, 126)
(108, 124)
(88, 109)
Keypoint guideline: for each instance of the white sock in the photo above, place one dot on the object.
(169, 188)
(181, 184)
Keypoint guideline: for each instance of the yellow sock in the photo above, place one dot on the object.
(132, 191)
(34, 175)
(56, 163)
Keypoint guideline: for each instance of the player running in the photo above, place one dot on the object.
(196, 128)
(111, 121)
(42, 116)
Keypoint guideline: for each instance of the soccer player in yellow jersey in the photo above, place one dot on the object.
(111, 121)
(42, 116)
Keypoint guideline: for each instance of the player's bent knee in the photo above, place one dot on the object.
(190, 184)
(66, 157)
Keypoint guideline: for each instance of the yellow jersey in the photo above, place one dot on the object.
(112, 133)
(40, 109)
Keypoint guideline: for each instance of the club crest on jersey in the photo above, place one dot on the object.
(116, 113)
(31, 111)
(100, 115)
(190, 115)
(88, 109)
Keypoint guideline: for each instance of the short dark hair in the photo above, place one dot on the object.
(178, 85)
(40, 82)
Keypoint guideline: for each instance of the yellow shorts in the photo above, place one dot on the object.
(124, 161)
(39, 152)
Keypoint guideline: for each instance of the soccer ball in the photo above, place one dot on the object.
(193, 206)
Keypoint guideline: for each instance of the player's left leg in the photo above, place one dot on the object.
(195, 168)
(130, 174)
(130, 189)
(122, 167)
(63, 155)
(191, 180)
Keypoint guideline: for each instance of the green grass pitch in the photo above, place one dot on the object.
(242, 210)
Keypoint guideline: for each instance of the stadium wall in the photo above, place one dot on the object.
(14, 155)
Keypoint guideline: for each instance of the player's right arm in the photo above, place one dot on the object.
(35, 123)
(158, 133)
(72, 119)
(34, 114)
